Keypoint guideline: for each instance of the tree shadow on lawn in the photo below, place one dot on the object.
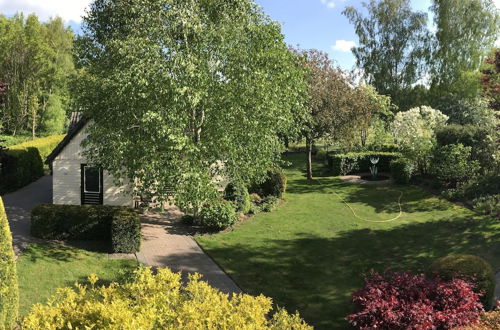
(316, 275)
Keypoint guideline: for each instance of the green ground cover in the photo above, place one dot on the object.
(311, 253)
(42, 268)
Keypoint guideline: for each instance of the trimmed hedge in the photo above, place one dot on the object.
(24, 162)
(469, 268)
(343, 164)
(9, 290)
(125, 231)
(119, 224)
(402, 170)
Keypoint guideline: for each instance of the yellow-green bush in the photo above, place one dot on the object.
(24, 162)
(156, 302)
(489, 321)
(9, 291)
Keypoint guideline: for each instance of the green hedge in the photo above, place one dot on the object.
(402, 170)
(24, 162)
(125, 231)
(468, 267)
(343, 164)
(88, 222)
(9, 291)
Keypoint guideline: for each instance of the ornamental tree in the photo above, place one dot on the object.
(183, 91)
(414, 131)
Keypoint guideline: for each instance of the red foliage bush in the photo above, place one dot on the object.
(407, 301)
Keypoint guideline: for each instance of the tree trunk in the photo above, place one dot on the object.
(309, 144)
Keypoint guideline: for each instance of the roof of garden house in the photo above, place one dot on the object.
(76, 123)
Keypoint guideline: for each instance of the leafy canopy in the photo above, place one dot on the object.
(183, 91)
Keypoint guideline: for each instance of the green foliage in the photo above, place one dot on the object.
(269, 203)
(479, 138)
(9, 291)
(238, 194)
(21, 167)
(470, 268)
(158, 302)
(462, 110)
(273, 185)
(88, 222)
(343, 164)
(402, 34)
(402, 170)
(221, 68)
(54, 117)
(414, 132)
(452, 164)
(218, 215)
(489, 205)
(125, 231)
(44, 145)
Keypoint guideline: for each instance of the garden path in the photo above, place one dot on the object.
(166, 242)
(18, 205)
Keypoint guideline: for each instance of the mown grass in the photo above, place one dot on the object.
(43, 268)
(311, 253)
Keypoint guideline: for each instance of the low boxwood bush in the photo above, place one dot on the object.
(125, 231)
(470, 268)
(24, 162)
(343, 164)
(158, 301)
(407, 301)
(273, 185)
(238, 194)
(218, 215)
(9, 290)
(402, 170)
(87, 222)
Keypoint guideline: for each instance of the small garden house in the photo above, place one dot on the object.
(74, 181)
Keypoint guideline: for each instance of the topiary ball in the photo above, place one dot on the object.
(470, 268)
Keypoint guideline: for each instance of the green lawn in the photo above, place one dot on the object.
(310, 254)
(43, 268)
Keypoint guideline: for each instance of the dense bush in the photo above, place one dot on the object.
(273, 185)
(9, 291)
(24, 162)
(218, 215)
(478, 138)
(157, 302)
(489, 205)
(269, 203)
(238, 194)
(86, 222)
(402, 170)
(488, 321)
(406, 301)
(483, 185)
(125, 231)
(452, 164)
(470, 268)
(343, 164)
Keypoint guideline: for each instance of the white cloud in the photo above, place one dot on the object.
(69, 10)
(343, 45)
(329, 4)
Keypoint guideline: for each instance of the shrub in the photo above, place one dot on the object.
(402, 170)
(484, 185)
(188, 219)
(218, 215)
(489, 205)
(269, 203)
(24, 162)
(406, 301)
(238, 194)
(321, 154)
(489, 321)
(157, 302)
(273, 185)
(343, 164)
(125, 231)
(86, 222)
(9, 291)
(469, 268)
(452, 164)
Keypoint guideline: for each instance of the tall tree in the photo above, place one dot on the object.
(465, 31)
(393, 46)
(182, 91)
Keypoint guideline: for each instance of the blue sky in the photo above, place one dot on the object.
(308, 23)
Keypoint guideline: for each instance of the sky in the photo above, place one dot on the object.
(308, 23)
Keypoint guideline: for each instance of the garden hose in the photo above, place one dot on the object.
(380, 221)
